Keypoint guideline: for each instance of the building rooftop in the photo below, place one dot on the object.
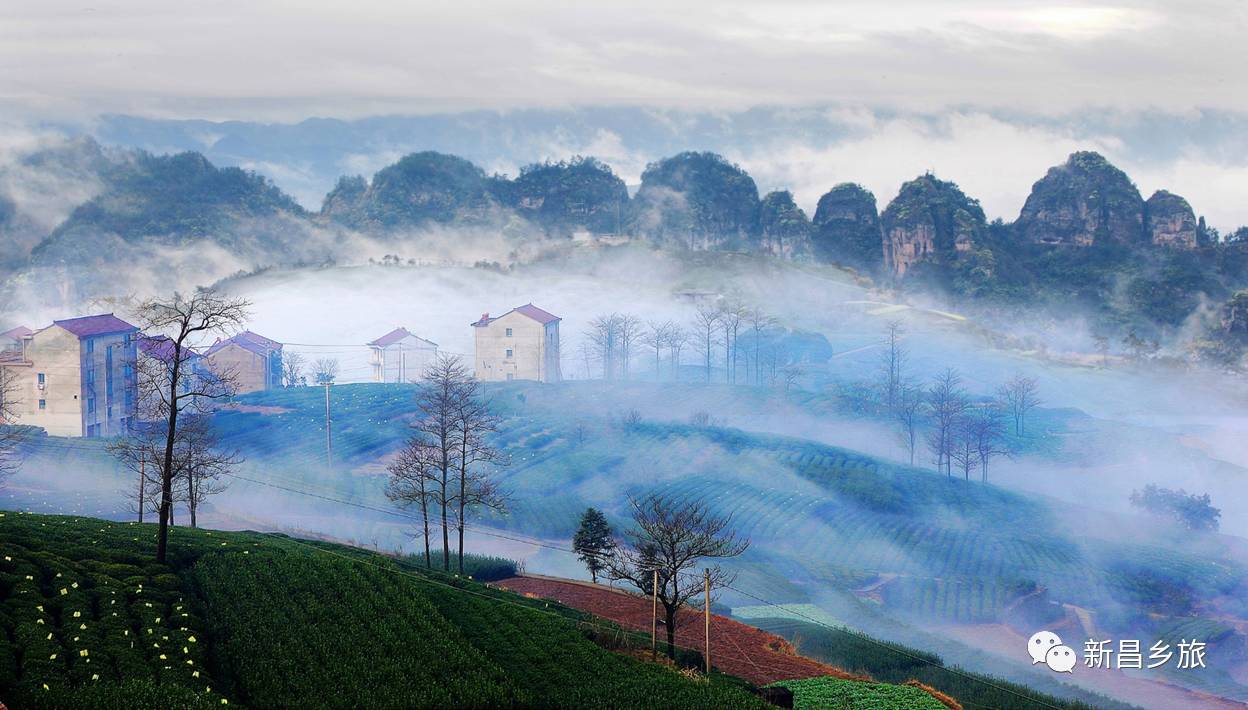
(160, 347)
(527, 309)
(17, 333)
(88, 326)
(395, 336)
(249, 341)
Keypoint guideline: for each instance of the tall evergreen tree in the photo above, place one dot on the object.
(593, 542)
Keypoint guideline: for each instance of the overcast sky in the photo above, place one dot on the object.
(287, 59)
(1017, 82)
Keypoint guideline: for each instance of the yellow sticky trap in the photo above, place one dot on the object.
(64, 591)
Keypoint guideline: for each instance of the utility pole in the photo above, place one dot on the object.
(142, 480)
(329, 440)
(706, 609)
(654, 617)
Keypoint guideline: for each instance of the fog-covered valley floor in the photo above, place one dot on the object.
(840, 524)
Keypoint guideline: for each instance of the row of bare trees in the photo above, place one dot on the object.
(199, 466)
(962, 434)
(446, 467)
(738, 337)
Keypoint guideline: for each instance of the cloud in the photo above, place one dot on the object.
(260, 59)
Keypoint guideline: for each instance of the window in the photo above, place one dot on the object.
(43, 404)
(510, 352)
(90, 346)
(90, 405)
(509, 332)
(42, 379)
(510, 377)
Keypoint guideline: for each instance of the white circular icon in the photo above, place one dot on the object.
(1039, 644)
(1061, 659)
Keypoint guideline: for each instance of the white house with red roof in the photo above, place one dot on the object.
(400, 356)
(521, 344)
(76, 377)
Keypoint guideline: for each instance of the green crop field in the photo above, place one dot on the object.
(829, 692)
(268, 621)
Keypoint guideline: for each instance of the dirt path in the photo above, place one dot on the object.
(736, 648)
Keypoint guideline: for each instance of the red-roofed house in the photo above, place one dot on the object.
(521, 344)
(76, 377)
(399, 356)
(252, 360)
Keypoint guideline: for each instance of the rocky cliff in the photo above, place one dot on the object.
(567, 197)
(1084, 201)
(847, 227)
(419, 189)
(932, 221)
(784, 228)
(1169, 221)
(697, 201)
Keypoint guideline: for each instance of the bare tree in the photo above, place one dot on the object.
(677, 339)
(475, 456)
(657, 337)
(140, 453)
(962, 452)
(325, 370)
(604, 336)
(892, 365)
(166, 381)
(437, 403)
(292, 368)
(203, 462)
(705, 324)
(10, 434)
(987, 433)
(731, 316)
(630, 332)
(413, 475)
(1019, 396)
(908, 412)
(672, 537)
(946, 403)
(759, 322)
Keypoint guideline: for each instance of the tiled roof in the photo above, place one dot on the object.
(391, 338)
(528, 310)
(259, 340)
(17, 333)
(161, 348)
(397, 335)
(88, 326)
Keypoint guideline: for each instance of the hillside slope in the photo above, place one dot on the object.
(268, 621)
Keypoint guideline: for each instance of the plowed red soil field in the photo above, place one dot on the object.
(736, 648)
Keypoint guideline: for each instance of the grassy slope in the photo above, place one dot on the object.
(271, 622)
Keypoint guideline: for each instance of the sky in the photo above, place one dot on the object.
(1013, 84)
(281, 59)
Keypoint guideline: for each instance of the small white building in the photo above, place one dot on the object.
(399, 356)
(521, 344)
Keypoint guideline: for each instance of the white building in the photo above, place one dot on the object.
(399, 356)
(521, 344)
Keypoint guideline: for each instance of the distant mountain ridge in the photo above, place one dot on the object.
(1084, 238)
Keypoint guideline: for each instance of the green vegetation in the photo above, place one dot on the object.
(267, 621)
(847, 227)
(169, 198)
(829, 692)
(696, 200)
(566, 196)
(894, 663)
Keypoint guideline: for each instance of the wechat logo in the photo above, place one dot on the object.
(1045, 647)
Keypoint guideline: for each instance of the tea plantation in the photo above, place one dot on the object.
(246, 619)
